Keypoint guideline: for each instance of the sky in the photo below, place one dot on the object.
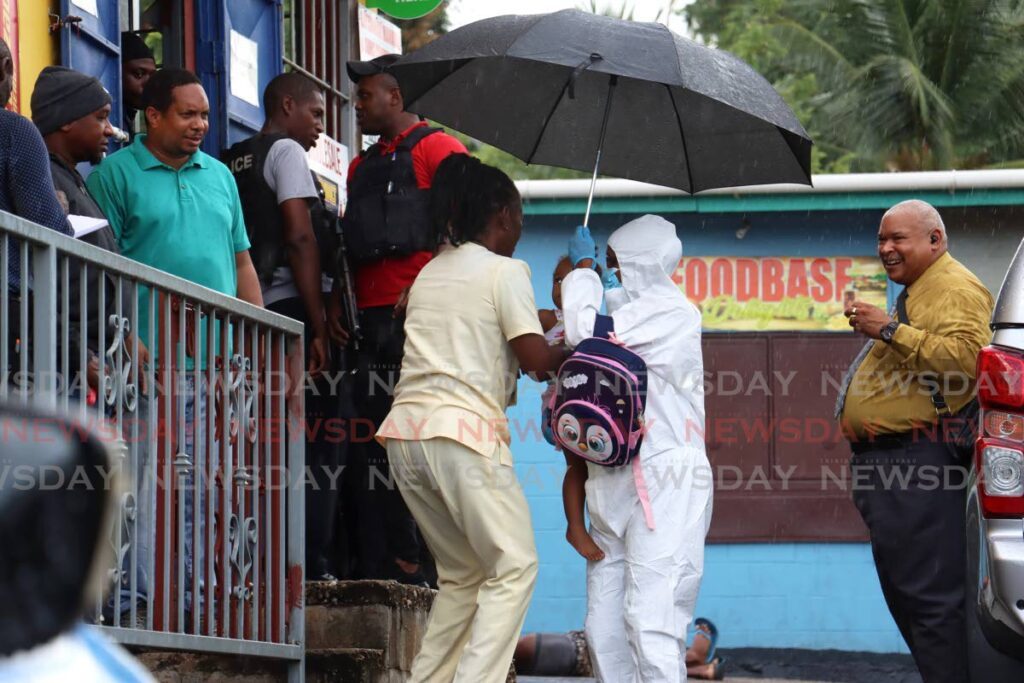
(461, 12)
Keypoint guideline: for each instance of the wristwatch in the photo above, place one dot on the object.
(888, 331)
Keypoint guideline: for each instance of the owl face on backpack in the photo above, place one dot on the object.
(598, 403)
(589, 436)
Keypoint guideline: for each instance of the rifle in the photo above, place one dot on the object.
(344, 270)
(339, 265)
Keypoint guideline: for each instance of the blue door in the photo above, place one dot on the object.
(92, 44)
(238, 52)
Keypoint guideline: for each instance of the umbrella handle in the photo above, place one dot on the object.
(612, 82)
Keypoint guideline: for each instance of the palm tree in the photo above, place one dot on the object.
(913, 84)
(627, 10)
(624, 10)
(418, 32)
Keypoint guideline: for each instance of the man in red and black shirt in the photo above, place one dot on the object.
(389, 238)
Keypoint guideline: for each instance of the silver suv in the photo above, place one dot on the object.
(995, 504)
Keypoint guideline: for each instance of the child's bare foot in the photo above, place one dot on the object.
(580, 540)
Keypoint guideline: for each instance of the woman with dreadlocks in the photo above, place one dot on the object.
(471, 326)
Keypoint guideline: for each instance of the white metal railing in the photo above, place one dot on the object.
(209, 539)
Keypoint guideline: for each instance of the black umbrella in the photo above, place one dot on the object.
(589, 92)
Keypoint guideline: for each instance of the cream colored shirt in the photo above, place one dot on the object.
(458, 370)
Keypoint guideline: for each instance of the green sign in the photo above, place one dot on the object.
(405, 9)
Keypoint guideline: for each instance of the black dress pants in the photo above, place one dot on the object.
(384, 527)
(912, 495)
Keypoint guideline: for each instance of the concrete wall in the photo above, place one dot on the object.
(985, 239)
(818, 596)
(37, 48)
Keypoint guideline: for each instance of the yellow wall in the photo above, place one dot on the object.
(37, 48)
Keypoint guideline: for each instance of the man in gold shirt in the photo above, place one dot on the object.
(916, 371)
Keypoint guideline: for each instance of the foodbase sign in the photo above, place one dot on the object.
(404, 9)
(778, 293)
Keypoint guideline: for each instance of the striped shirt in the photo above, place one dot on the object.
(26, 186)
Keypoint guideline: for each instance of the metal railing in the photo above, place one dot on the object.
(208, 544)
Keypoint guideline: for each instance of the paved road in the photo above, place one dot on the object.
(539, 679)
(801, 666)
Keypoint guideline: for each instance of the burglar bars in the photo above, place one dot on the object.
(207, 540)
(317, 45)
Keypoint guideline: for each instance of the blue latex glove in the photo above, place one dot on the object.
(609, 280)
(582, 246)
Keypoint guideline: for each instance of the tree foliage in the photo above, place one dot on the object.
(887, 84)
(513, 167)
(418, 32)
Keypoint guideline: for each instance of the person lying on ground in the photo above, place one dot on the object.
(566, 654)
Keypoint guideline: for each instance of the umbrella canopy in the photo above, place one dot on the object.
(544, 88)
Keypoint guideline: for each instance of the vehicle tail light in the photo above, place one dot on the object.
(1000, 450)
(1001, 474)
(1000, 378)
(1005, 426)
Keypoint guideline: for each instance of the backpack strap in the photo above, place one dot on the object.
(405, 148)
(604, 326)
(373, 149)
(642, 492)
(938, 400)
(415, 137)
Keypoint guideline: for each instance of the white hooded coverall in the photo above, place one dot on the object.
(641, 597)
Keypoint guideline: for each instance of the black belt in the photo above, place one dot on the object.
(886, 442)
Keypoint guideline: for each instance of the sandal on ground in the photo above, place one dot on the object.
(706, 629)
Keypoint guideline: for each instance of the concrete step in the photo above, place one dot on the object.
(379, 616)
(347, 665)
(373, 615)
(355, 632)
(193, 667)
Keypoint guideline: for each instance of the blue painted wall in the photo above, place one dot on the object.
(818, 596)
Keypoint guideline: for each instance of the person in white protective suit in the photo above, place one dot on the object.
(641, 597)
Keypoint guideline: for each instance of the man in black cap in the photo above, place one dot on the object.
(137, 65)
(389, 237)
(72, 112)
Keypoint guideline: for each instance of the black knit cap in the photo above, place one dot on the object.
(63, 95)
(134, 47)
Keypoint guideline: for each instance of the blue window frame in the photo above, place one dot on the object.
(92, 45)
(236, 111)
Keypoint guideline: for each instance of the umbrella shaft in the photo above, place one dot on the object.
(593, 184)
(612, 82)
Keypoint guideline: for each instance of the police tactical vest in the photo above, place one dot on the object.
(387, 214)
(263, 221)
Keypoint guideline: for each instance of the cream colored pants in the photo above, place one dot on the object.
(474, 518)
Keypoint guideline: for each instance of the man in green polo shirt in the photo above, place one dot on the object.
(175, 208)
(172, 206)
